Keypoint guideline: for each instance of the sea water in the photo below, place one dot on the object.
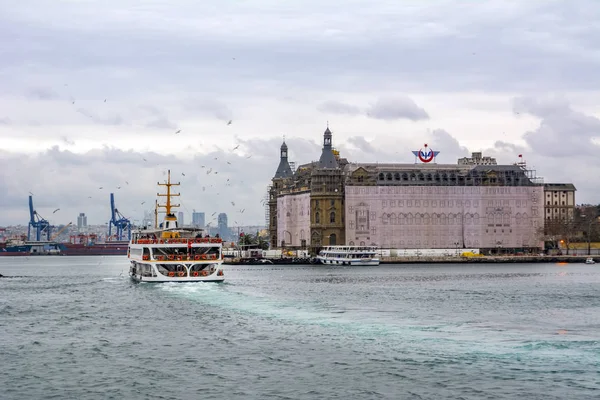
(77, 327)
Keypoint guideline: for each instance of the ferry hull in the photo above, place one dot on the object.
(353, 263)
(157, 277)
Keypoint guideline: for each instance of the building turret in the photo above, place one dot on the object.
(327, 159)
(283, 170)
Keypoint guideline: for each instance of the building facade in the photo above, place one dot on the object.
(559, 201)
(475, 203)
(222, 228)
(81, 221)
(198, 219)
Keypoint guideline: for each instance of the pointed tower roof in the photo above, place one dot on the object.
(327, 159)
(283, 170)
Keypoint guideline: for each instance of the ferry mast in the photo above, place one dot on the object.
(170, 218)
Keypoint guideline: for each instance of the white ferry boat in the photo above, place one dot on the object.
(170, 253)
(349, 255)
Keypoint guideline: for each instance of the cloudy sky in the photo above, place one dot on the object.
(92, 93)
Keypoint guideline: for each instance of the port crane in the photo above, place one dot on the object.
(41, 225)
(61, 230)
(117, 220)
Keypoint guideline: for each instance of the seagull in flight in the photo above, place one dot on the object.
(182, 174)
(178, 131)
(236, 147)
(55, 210)
(143, 202)
(229, 123)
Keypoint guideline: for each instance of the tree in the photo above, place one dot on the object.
(587, 222)
(559, 230)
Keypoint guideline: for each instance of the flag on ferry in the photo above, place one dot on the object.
(520, 155)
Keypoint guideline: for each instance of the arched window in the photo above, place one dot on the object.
(332, 218)
(397, 177)
(317, 218)
(381, 176)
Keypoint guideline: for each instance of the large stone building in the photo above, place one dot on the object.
(472, 204)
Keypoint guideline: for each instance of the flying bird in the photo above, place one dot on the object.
(127, 182)
(31, 193)
(143, 202)
(249, 156)
(118, 187)
(182, 174)
(229, 123)
(236, 147)
(233, 204)
(55, 210)
(178, 131)
(213, 214)
(105, 100)
(100, 187)
(228, 163)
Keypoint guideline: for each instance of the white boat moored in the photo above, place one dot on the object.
(349, 255)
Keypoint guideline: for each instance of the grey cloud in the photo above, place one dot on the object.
(361, 144)
(486, 46)
(68, 141)
(115, 119)
(541, 107)
(444, 141)
(41, 93)
(338, 107)
(563, 131)
(398, 107)
(5, 121)
(209, 107)
(50, 175)
(161, 122)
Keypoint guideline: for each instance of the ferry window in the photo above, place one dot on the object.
(317, 218)
(332, 218)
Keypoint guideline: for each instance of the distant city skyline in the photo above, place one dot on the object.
(79, 122)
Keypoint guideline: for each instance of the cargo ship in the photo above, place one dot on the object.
(89, 245)
(80, 245)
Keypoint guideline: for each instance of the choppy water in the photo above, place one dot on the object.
(74, 327)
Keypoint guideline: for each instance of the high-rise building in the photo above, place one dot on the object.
(180, 218)
(81, 221)
(222, 226)
(198, 219)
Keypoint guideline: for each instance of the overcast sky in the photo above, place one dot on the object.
(92, 93)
